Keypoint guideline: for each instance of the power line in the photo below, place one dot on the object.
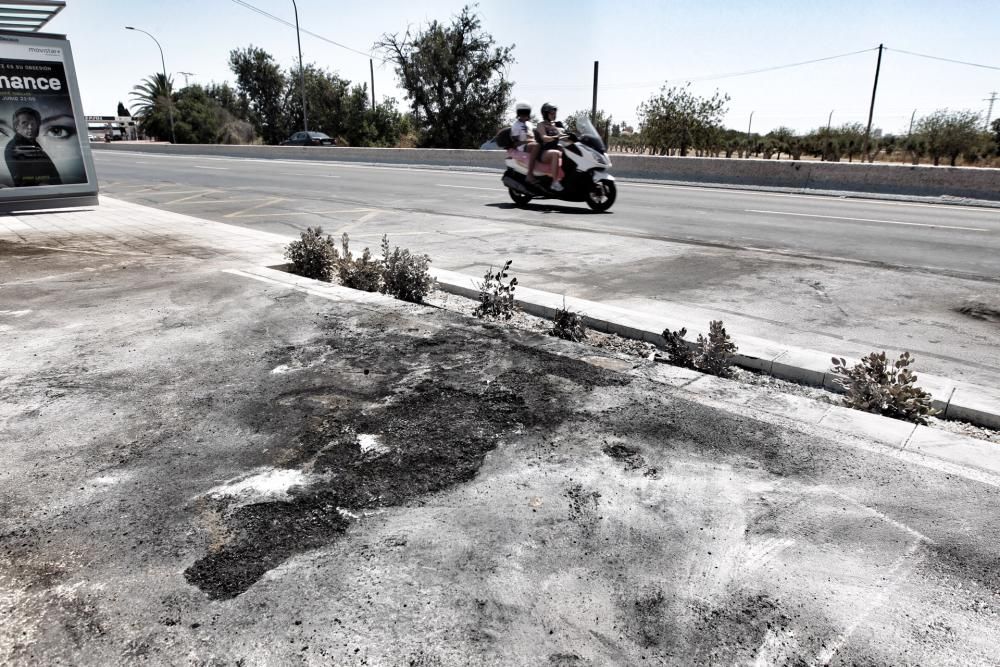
(292, 25)
(713, 77)
(947, 60)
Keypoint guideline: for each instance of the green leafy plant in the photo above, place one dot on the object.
(713, 355)
(405, 276)
(679, 353)
(313, 256)
(568, 325)
(884, 387)
(496, 299)
(362, 273)
(715, 352)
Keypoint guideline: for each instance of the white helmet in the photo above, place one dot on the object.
(522, 106)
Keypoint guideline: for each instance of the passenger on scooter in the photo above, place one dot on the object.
(522, 133)
(548, 148)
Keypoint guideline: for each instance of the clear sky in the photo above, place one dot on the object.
(640, 45)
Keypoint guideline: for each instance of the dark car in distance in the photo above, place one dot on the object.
(308, 139)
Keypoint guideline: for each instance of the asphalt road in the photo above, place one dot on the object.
(840, 275)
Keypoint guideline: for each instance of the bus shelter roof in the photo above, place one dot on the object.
(28, 15)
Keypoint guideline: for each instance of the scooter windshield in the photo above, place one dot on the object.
(588, 133)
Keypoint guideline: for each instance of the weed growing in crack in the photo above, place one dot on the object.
(496, 299)
(405, 276)
(363, 273)
(713, 355)
(884, 387)
(568, 325)
(313, 256)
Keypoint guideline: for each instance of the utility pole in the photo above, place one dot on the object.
(912, 116)
(989, 114)
(302, 71)
(371, 66)
(593, 108)
(186, 75)
(829, 119)
(871, 110)
(749, 140)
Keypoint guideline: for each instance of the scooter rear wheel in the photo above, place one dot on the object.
(519, 197)
(602, 196)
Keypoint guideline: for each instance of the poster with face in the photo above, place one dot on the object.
(39, 135)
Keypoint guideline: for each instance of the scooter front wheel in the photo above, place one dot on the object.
(602, 195)
(518, 197)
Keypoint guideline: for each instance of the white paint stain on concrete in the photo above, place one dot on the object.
(15, 313)
(267, 483)
(372, 444)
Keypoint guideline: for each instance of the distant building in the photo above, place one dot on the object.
(120, 127)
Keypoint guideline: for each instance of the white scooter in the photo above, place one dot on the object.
(583, 173)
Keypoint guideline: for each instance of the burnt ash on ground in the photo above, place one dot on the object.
(437, 432)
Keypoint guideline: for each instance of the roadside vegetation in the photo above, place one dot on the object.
(496, 297)
(876, 384)
(399, 273)
(882, 386)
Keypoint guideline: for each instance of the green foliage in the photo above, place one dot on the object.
(711, 355)
(151, 99)
(405, 276)
(715, 353)
(568, 325)
(879, 385)
(313, 256)
(261, 86)
(677, 118)
(949, 134)
(455, 79)
(362, 273)
(496, 299)
(679, 353)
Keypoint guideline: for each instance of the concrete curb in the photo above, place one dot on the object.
(956, 400)
(959, 450)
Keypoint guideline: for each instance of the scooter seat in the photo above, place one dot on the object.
(523, 157)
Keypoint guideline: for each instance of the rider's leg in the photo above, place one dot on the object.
(552, 157)
(532, 149)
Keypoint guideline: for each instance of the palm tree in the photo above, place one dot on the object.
(152, 100)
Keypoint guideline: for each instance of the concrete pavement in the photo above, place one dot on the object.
(211, 460)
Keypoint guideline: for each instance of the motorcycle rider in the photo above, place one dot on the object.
(522, 132)
(548, 148)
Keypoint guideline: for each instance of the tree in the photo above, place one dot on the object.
(455, 80)
(676, 118)
(261, 85)
(949, 134)
(781, 139)
(995, 127)
(151, 100)
(122, 111)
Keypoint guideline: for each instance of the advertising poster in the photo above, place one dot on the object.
(40, 137)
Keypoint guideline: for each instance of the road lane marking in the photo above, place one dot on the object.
(853, 199)
(198, 166)
(298, 173)
(268, 202)
(470, 187)
(884, 222)
(189, 197)
(284, 213)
